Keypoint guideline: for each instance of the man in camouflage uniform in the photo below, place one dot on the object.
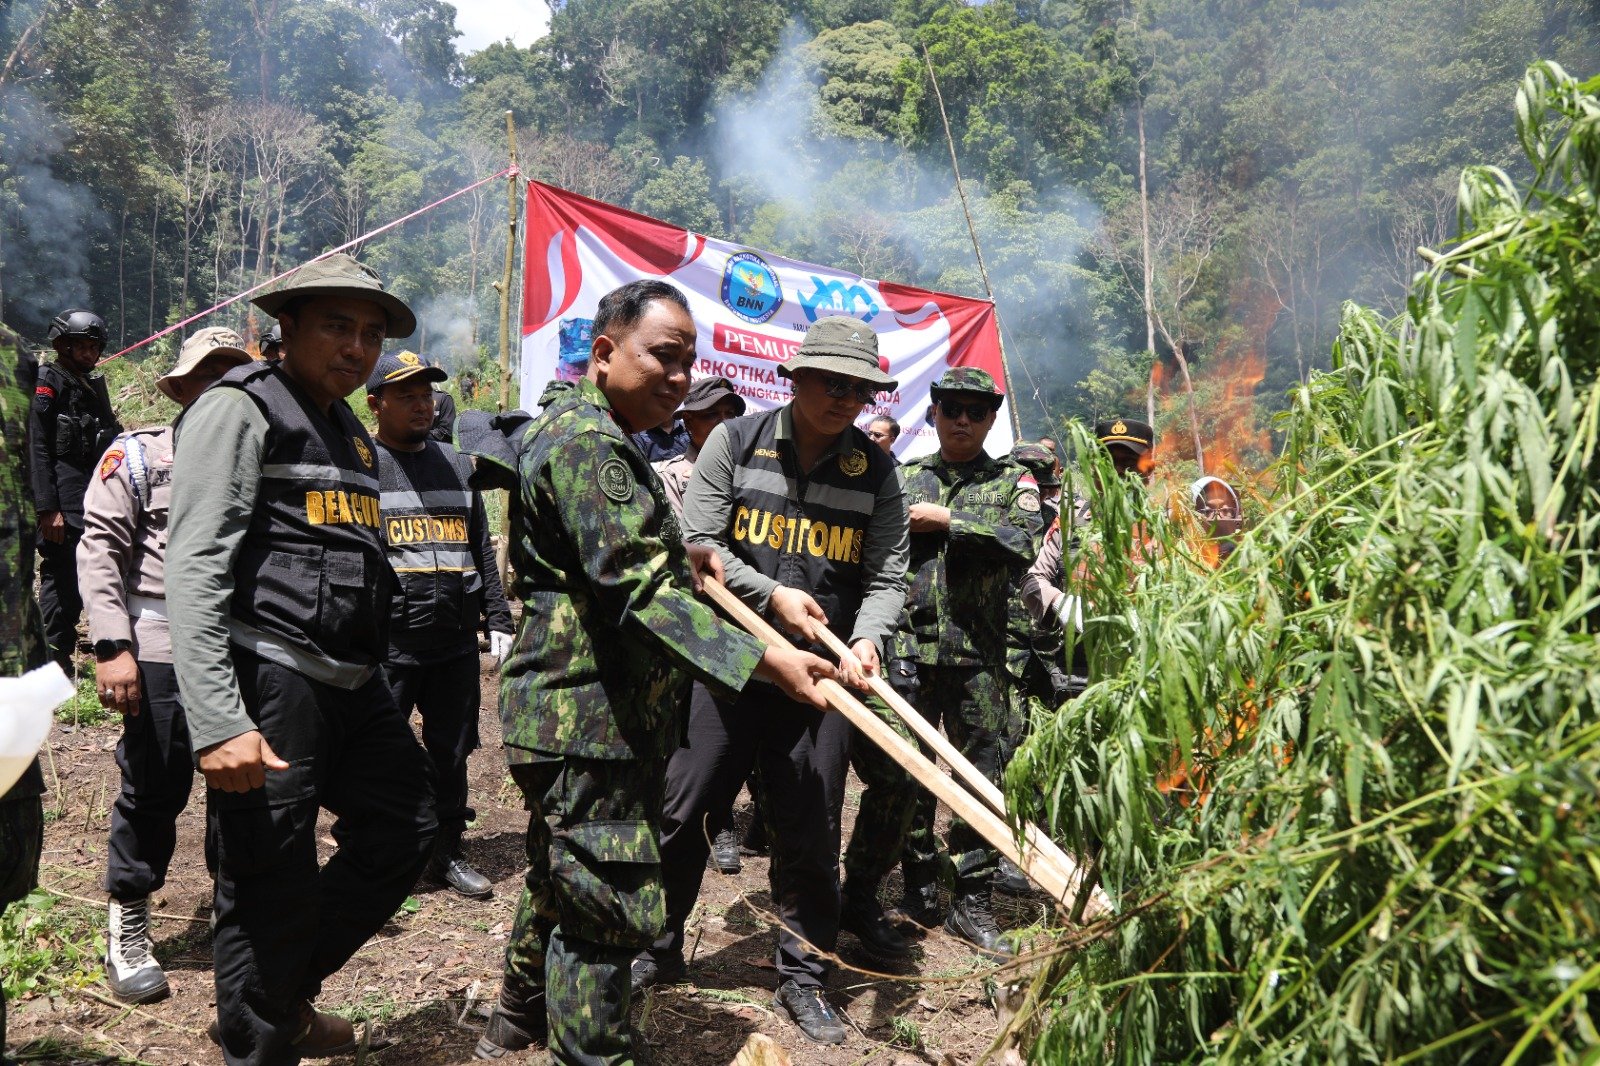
(22, 643)
(974, 530)
(592, 693)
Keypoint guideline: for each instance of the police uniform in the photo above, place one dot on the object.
(957, 611)
(72, 425)
(837, 532)
(22, 642)
(280, 626)
(121, 572)
(591, 707)
(444, 418)
(447, 585)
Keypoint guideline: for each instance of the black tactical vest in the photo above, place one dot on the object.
(311, 571)
(804, 531)
(427, 524)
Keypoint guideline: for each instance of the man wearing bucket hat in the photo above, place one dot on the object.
(121, 571)
(974, 530)
(448, 586)
(278, 631)
(710, 402)
(807, 515)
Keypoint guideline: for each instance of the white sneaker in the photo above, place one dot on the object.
(131, 970)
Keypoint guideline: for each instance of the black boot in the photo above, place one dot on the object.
(517, 1022)
(862, 915)
(649, 970)
(808, 1008)
(725, 852)
(449, 868)
(1010, 880)
(972, 919)
(755, 838)
(921, 900)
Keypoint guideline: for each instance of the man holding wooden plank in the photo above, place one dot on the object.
(808, 517)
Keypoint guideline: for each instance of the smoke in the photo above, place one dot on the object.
(43, 220)
(444, 332)
(855, 201)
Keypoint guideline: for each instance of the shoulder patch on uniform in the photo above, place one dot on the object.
(44, 390)
(363, 452)
(1028, 501)
(616, 480)
(111, 464)
(854, 464)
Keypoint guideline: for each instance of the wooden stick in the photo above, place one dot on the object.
(1060, 883)
(971, 776)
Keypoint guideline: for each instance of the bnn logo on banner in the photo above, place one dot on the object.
(751, 308)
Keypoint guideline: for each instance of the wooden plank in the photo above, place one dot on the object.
(1060, 882)
(929, 734)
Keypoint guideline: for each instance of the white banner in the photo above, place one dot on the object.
(751, 308)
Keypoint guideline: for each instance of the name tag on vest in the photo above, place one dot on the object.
(841, 544)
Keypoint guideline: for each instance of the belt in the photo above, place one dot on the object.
(150, 607)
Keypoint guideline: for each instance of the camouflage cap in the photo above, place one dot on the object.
(340, 275)
(841, 345)
(1127, 432)
(967, 379)
(213, 340)
(1040, 461)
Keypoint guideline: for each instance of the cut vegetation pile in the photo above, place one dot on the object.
(1386, 698)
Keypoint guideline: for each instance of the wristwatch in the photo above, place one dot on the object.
(110, 649)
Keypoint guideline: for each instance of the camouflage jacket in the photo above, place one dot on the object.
(611, 633)
(22, 645)
(962, 581)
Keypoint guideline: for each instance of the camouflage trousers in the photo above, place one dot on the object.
(592, 898)
(21, 841)
(889, 796)
(974, 705)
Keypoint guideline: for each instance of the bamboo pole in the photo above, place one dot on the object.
(1061, 883)
(513, 188)
(513, 185)
(977, 250)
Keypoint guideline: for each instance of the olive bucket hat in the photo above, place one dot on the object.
(340, 275)
(202, 345)
(840, 345)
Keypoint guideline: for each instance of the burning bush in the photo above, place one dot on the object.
(1398, 862)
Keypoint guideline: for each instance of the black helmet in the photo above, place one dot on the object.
(76, 322)
(272, 336)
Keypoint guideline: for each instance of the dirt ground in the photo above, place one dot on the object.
(426, 976)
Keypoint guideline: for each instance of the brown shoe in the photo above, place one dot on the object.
(323, 1035)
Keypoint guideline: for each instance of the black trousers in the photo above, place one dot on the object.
(800, 756)
(157, 774)
(283, 924)
(21, 843)
(59, 601)
(446, 695)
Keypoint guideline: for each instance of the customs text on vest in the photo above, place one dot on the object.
(311, 571)
(805, 530)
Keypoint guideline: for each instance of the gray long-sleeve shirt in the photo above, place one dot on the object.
(216, 474)
(708, 505)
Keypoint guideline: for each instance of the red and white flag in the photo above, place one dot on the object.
(751, 308)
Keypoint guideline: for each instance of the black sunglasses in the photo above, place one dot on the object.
(976, 411)
(839, 388)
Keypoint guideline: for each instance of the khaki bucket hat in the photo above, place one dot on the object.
(213, 340)
(840, 345)
(340, 275)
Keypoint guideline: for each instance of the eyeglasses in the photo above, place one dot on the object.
(839, 388)
(977, 412)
